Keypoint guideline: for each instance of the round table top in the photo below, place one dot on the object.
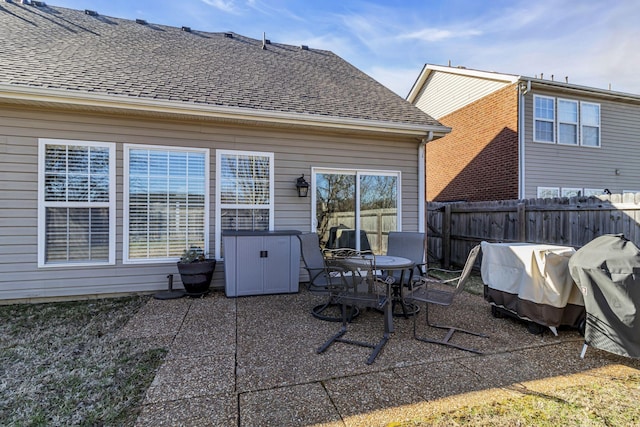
(389, 262)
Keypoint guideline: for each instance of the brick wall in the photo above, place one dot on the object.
(478, 160)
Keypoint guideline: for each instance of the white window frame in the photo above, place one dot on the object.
(219, 205)
(564, 122)
(541, 119)
(593, 192)
(598, 125)
(164, 148)
(565, 192)
(358, 173)
(43, 204)
(540, 192)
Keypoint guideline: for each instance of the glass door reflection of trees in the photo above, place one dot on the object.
(341, 197)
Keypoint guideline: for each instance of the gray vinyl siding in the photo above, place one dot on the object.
(295, 153)
(555, 165)
(444, 93)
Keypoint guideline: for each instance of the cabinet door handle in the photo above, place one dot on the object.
(264, 254)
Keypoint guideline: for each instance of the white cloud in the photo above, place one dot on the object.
(228, 6)
(431, 35)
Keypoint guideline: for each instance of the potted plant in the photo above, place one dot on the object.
(196, 271)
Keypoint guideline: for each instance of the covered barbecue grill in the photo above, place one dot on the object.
(607, 272)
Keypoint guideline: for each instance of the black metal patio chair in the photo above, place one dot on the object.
(363, 289)
(410, 245)
(323, 279)
(424, 290)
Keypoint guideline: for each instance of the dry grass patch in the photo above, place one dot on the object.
(60, 363)
(608, 402)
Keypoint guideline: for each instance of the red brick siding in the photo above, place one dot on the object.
(478, 160)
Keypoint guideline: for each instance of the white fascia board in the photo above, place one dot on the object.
(604, 93)
(83, 99)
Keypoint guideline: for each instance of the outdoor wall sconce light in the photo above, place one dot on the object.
(302, 186)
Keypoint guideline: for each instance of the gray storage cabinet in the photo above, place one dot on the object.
(261, 262)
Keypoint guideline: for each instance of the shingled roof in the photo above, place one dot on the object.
(75, 51)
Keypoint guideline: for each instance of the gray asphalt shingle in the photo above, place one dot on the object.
(52, 47)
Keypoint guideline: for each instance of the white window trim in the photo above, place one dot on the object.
(593, 192)
(218, 211)
(42, 204)
(599, 125)
(125, 197)
(552, 121)
(565, 190)
(576, 123)
(357, 172)
(540, 190)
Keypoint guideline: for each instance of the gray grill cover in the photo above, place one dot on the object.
(607, 271)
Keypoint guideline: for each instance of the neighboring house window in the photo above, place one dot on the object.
(593, 191)
(76, 209)
(356, 208)
(572, 125)
(544, 118)
(571, 192)
(590, 122)
(567, 122)
(166, 201)
(244, 196)
(547, 192)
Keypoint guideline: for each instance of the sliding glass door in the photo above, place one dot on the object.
(356, 208)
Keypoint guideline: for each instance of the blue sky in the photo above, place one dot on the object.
(593, 42)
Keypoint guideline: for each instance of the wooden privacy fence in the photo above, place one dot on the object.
(453, 228)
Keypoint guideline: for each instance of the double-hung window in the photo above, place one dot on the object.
(548, 192)
(567, 122)
(590, 123)
(166, 201)
(76, 209)
(562, 116)
(544, 118)
(244, 197)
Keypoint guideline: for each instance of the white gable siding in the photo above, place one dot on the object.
(295, 153)
(444, 93)
(563, 166)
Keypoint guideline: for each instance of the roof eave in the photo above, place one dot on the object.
(58, 97)
(570, 87)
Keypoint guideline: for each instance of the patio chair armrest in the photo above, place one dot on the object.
(420, 282)
(422, 267)
(443, 270)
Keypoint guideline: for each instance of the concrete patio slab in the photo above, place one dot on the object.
(218, 410)
(299, 405)
(252, 361)
(193, 377)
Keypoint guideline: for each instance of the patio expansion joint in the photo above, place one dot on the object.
(235, 366)
(541, 344)
(459, 363)
(184, 317)
(333, 402)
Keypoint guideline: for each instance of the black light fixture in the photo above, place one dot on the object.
(302, 186)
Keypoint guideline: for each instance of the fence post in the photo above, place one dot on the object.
(522, 222)
(446, 236)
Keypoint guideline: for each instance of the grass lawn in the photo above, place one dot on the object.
(62, 364)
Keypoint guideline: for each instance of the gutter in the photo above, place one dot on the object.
(422, 181)
(57, 97)
(523, 89)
